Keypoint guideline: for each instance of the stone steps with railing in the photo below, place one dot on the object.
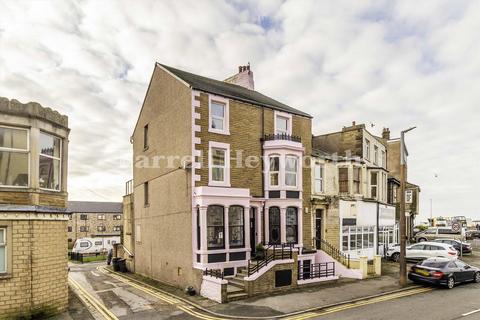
(333, 252)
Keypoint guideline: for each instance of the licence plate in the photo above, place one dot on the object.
(423, 272)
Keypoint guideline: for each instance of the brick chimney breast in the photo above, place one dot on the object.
(243, 78)
(386, 133)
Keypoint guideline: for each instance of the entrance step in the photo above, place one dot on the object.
(236, 282)
(236, 296)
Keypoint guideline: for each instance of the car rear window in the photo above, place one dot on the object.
(434, 264)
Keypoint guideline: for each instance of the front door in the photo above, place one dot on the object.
(318, 227)
(253, 233)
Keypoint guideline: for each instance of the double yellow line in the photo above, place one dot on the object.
(91, 300)
(360, 303)
(191, 310)
(159, 295)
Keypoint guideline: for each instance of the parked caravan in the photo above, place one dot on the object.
(95, 245)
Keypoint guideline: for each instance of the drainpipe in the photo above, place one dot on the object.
(378, 226)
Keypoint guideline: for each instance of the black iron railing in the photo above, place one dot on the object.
(272, 252)
(213, 273)
(281, 136)
(333, 252)
(316, 270)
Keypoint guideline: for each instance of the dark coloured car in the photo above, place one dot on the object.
(441, 271)
(472, 234)
(466, 247)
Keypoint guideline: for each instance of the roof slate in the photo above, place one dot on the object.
(94, 207)
(233, 91)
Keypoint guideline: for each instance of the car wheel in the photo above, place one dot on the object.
(450, 282)
(477, 277)
(422, 240)
(396, 256)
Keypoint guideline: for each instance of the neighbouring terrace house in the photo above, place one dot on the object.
(202, 198)
(349, 193)
(412, 191)
(33, 216)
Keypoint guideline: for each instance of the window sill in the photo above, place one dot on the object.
(224, 132)
(146, 205)
(5, 276)
(219, 184)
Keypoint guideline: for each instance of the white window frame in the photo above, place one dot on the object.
(287, 116)
(226, 119)
(291, 172)
(226, 175)
(375, 154)
(25, 151)
(277, 172)
(319, 179)
(101, 216)
(367, 149)
(60, 177)
(384, 159)
(3, 243)
(349, 231)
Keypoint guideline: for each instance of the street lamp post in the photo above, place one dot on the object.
(403, 237)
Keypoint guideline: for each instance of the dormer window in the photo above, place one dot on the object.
(283, 123)
(218, 111)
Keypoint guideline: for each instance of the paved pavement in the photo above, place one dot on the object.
(121, 298)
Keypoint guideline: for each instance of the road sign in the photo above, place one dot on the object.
(456, 226)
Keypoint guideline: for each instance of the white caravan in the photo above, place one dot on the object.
(94, 245)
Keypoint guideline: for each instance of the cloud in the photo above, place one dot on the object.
(394, 64)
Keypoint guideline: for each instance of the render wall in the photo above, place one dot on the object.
(163, 229)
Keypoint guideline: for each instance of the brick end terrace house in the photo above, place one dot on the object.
(208, 213)
(33, 216)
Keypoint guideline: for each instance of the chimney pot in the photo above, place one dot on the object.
(239, 69)
(353, 123)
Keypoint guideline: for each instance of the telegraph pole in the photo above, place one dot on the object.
(403, 229)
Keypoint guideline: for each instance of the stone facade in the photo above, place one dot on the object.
(33, 217)
(180, 192)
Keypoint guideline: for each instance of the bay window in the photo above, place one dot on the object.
(49, 162)
(356, 180)
(3, 250)
(318, 178)
(236, 227)
(215, 227)
(343, 180)
(373, 184)
(274, 170)
(357, 238)
(291, 225)
(291, 164)
(14, 153)
(274, 225)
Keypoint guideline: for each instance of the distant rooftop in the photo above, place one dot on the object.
(94, 207)
(232, 91)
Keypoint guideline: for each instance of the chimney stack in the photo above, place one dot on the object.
(243, 78)
(386, 133)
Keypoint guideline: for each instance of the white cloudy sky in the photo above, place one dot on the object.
(394, 64)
